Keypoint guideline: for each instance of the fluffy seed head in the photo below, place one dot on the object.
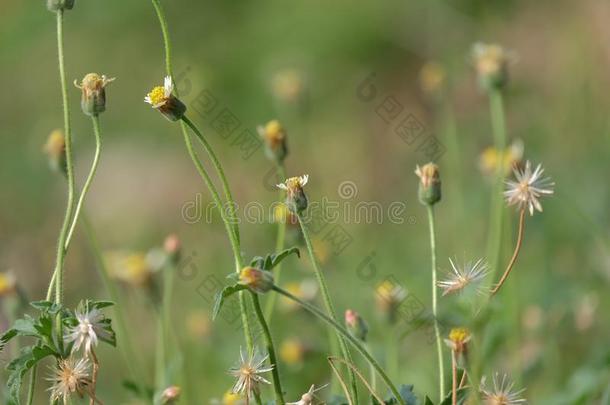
(249, 372)
(525, 192)
(69, 376)
(461, 277)
(501, 392)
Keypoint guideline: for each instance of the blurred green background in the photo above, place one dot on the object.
(302, 62)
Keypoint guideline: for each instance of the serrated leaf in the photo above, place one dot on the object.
(407, 395)
(44, 327)
(224, 294)
(461, 397)
(428, 401)
(18, 367)
(21, 327)
(275, 259)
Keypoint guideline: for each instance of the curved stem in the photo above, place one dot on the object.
(279, 244)
(348, 337)
(513, 259)
(96, 158)
(277, 385)
(328, 302)
(439, 344)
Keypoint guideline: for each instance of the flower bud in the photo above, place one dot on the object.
(274, 136)
(172, 247)
(55, 149)
(171, 395)
(296, 200)
(162, 99)
(429, 184)
(55, 5)
(93, 100)
(389, 297)
(257, 280)
(356, 325)
(8, 284)
(491, 63)
(458, 340)
(432, 78)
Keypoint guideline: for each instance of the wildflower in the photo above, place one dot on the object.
(287, 85)
(56, 5)
(131, 268)
(432, 78)
(69, 377)
(308, 397)
(248, 373)
(170, 395)
(292, 351)
(93, 86)
(501, 393)
(55, 149)
(528, 188)
(281, 213)
(172, 247)
(296, 200)
(492, 159)
(89, 329)
(462, 277)
(356, 325)
(491, 63)
(429, 192)
(388, 297)
(257, 280)
(458, 340)
(274, 136)
(162, 99)
(230, 398)
(8, 284)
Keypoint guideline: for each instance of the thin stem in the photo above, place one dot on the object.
(279, 244)
(32, 385)
(96, 368)
(454, 378)
(160, 381)
(513, 259)
(348, 337)
(96, 158)
(439, 344)
(232, 238)
(327, 302)
(277, 385)
(373, 375)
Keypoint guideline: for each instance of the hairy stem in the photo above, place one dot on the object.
(453, 378)
(439, 343)
(513, 259)
(348, 337)
(328, 303)
(277, 385)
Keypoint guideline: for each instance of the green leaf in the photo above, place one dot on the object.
(407, 395)
(257, 262)
(42, 305)
(222, 295)
(21, 327)
(461, 397)
(108, 337)
(275, 259)
(100, 304)
(142, 392)
(428, 401)
(44, 327)
(17, 368)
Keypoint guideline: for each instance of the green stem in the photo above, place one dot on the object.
(372, 372)
(277, 386)
(98, 147)
(232, 237)
(328, 303)
(279, 244)
(348, 337)
(439, 343)
(160, 380)
(32, 385)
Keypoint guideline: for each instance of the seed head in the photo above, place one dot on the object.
(93, 100)
(87, 332)
(296, 200)
(461, 277)
(429, 192)
(501, 392)
(528, 188)
(249, 374)
(162, 99)
(257, 280)
(307, 398)
(69, 376)
(274, 136)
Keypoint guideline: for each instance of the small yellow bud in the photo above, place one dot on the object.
(55, 5)
(93, 86)
(55, 149)
(8, 284)
(432, 78)
(257, 280)
(274, 137)
(458, 340)
(429, 184)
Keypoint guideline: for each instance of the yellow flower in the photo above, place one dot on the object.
(257, 280)
(7, 284)
(491, 63)
(491, 159)
(292, 351)
(458, 339)
(230, 398)
(274, 135)
(162, 99)
(432, 78)
(296, 200)
(132, 268)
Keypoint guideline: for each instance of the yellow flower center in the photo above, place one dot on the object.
(157, 95)
(459, 335)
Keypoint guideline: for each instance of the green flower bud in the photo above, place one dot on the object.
(257, 280)
(356, 325)
(55, 5)
(429, 185)
(93, 100)
(274, 137)
(162, 99)
(296, 200)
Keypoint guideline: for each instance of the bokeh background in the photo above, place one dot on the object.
(304, 62)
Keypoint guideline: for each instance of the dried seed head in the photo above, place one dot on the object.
(356, 325)
(69, 376)
(93, 86)
(257, 280)
(500, 392)
(55, 149)
(429, 184)
(162, 99)
(56, 5)
(529, 187)
(171, 395)
(458, 340)
(296, 200)
(274, 136)
(249, 372)
(491, 62)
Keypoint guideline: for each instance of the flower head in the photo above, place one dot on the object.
(257, 280)
(388, 297)
(355, 324)
(69, 377)
(458, 339)
(249, 373)
(8, 284)
(56, 5)
(296, 200)
(491, 62)
(432, 77)
(162, 99)
(93, 86)
(501, 393)
(528, 188)
(429, 192)
(308, 397)
(491, 159)
(55, 149)
(461, 277)
(170, 395)
(87, 332)
(274, 136)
